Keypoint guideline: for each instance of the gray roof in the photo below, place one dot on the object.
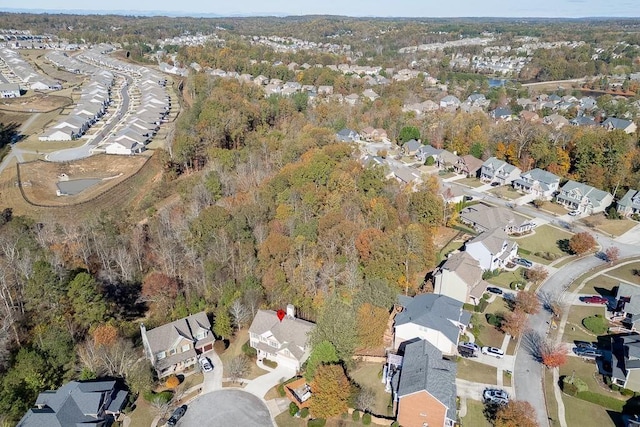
(493, 164)
(427, 150)
(493, 240)
(633, 293)
(542, 176)
(625, 355)
(465, 266)
(165, 336)
(423, 368)
(580, 190)
(434, 311)
(291, 332)
(616, 123)
(631, 198)
(490, 217)
(75, 403)
(412, 145)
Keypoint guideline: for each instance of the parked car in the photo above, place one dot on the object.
(466, 352)
(574, 213)
(205, 364)
(587, 354)
(495, 184)
(471, 345)
(495, 396)
(523, 262)
(177, 414)
(584, 345)
(595, 299)
(494, 290)
(493, 351)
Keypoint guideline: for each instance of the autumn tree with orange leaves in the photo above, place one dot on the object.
(516, 413)
(514, 323)
(582, 242)
(372, 322)
(528, 302)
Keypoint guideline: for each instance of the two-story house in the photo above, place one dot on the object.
(628, 305)
(483, 218)
(460, 277)
(625, 361)
(95, 403)
(285, 341)
(630, 203)
(583, 198)
(613, 123)
(494, 170)
(347, 135)
(492, 249)
(539, 182)
(468, 165)
(424, 388)
(438, 319)
(175, 346)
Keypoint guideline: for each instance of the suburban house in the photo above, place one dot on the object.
(483, 218)
(299, 392)
(539, 182)
(124, 147)
(438, 319)
(425, 151)
(492, 249)
(556, 121)
(583, 198)
(95, 403)
(411, 147)
(425, 387)
(347, 135)
(285, 342)
(468, 165)
(613, 123)
(630, 203)
(625, 361)
(494, 170)
(628, 305)
(370, 134)
(450, 102)
(175, 346)
(460, 278)
(9, 90)
(501, 113)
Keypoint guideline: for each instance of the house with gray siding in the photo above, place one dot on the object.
(583, 198)
(630, 203)
(539, 182)
(495, 170)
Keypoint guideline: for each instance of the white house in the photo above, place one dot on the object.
(495, 170)
(583, 198)
(124, 147)
(492, 249)
(9, 90)
(538, 182)
(285, 341)
(438, 319)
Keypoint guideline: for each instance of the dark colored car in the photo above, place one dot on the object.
(470, 345)
(584, 345)
(494, 290)
(588, 354)
(595, 299)
(177, 414)
(523, 262)
(495, 184)
(466, 351)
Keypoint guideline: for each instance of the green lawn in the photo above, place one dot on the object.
(474, 417)
(450, 247)
(552, 405)
(470, 182)
(489, 334)
(505, 278)
(587, 371)
(144, 413)
(580, 413)
(286, 420)
(625, 272)
(574, 330)
(366, 375)
(235, 349)
(604, 284)
(476, 371)
(544, 239)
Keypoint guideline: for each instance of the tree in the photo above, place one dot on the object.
(554, 355)
(337, 324)
(612, 253)
(86, 300)
(238, 367)
(407, 133)
(159, 288)
(331, 389)
(372, 323)
(105, 334)
(323, 353)
(528, 302)
(222, 323)
(582, 243)
(516, 413)
(514, 323)
(537, 274)
(239, 313)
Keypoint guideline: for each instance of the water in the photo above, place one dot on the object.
(76, 186)
(497, 82)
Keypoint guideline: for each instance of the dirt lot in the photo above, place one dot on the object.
(39, 178)
(38, 102)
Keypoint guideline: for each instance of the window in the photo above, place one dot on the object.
(161, 355)
(186, 347)
(172, 352)
(273, 343)
(202, 335)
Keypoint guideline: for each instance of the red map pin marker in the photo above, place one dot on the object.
(280, 313)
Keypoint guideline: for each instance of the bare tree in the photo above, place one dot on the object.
(239, 314)
(365, 399)
(238, 367)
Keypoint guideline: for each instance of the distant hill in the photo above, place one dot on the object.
(133, 13)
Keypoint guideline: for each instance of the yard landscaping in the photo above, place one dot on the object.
(476, 372)
(575, 330)
(505, 278)
(626, 272)
(600, 285)
(475, 415)
(489, 334)
(616, 227)
(366, 374)
(235, 349)
(506, 192)
(580, 413)
(470, 182)
(545, 239)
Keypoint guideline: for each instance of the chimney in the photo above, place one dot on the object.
(291, 311)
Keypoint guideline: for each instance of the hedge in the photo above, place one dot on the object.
(249, 351)
(304, 412)
(355, 416)
(366, 419)
(162, 397)
(293, 409)
(318, 422)
(602, 400)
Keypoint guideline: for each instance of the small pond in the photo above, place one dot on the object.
(76, 186)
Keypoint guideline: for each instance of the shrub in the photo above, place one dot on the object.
(597, 324)
(162, 397)
(627, 392)
(172, 382)
(395, 424)
(569, 389)
(494, 319)
(615, 387)
(304, 412)
(293, 409)
(271, 364)
(366, 419)
(355, 416)
(517, 284)
(602, 400)
(468, 307)
(249, 351)
(430, 161)
(280, 390)
(317, 422)
(482, 306)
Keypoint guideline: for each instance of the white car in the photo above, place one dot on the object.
(205, 364)
(495, 396)
(493, 351)
(574, 213)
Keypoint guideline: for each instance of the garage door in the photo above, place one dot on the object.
(208, 347)
(286, 362)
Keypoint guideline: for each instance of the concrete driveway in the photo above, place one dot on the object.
(473, 390)
(261, 385)
(213, 380)
(228, 407)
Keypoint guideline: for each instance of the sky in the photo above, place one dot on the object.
(386, 8)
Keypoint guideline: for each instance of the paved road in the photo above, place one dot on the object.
(228, 407)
